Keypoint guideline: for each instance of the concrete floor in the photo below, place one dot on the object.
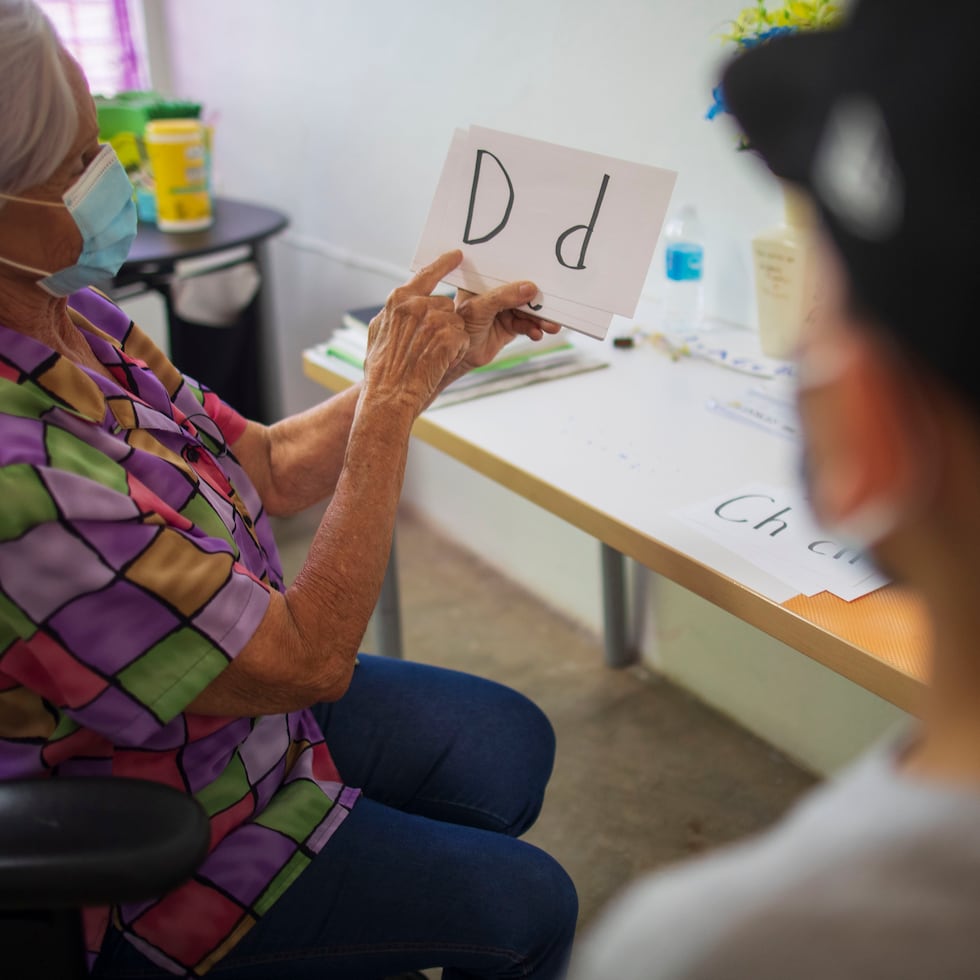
(645, 774)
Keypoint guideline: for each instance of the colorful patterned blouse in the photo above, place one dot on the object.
(135, 562)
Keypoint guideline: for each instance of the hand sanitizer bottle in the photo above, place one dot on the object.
(785, 275)
(684, 289)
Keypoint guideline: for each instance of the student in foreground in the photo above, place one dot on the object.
(876, 874)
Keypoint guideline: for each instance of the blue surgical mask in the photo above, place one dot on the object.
(101, 203)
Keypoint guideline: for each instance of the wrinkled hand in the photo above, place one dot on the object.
(416, 340)
(493, 319)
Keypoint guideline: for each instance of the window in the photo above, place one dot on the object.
(106, 37)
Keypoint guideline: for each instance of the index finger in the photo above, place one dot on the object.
(427, 278)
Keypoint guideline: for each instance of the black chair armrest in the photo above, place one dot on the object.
(67, 842)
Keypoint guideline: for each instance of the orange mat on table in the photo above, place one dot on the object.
(891, 623)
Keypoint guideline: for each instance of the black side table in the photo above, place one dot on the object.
(227, 359)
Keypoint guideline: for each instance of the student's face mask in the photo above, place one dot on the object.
(101, 204)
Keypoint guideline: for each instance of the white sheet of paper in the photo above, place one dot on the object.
(773, 527)
(584, 319)
(757, 407)
(583, 226)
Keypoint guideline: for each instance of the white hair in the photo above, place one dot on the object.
(38, 111)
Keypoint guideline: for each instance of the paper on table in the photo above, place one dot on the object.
(772, 527)
(763, 407)
(582, 225)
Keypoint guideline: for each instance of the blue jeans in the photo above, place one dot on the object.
(426, 871)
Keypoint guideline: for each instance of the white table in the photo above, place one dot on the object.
(615, 452)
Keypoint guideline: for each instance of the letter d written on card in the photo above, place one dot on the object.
(581, 225)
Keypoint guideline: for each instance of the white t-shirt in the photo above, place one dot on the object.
(875, 874)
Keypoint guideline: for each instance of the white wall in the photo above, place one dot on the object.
(340, 112)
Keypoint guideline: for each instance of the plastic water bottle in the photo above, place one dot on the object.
(684, 289)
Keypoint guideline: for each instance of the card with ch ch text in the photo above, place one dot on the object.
(581, 225)
(774, 528)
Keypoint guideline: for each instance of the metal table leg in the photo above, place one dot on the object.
(618, 653)
(387, 613)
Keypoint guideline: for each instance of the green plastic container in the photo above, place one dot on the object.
(122, 121)
(129, 112)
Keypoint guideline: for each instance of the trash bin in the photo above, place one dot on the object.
(215, 331)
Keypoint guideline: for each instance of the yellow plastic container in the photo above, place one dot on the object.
(177, 151)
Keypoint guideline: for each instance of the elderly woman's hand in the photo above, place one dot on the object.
(416, 340)
(493, 319)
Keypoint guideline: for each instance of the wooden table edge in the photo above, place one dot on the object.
(838, 654)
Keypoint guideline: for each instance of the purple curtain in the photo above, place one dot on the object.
(129, 64)
(99, 33)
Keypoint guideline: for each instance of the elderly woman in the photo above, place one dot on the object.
(364, 814)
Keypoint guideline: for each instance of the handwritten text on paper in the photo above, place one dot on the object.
(583, 226)
(773, 527)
